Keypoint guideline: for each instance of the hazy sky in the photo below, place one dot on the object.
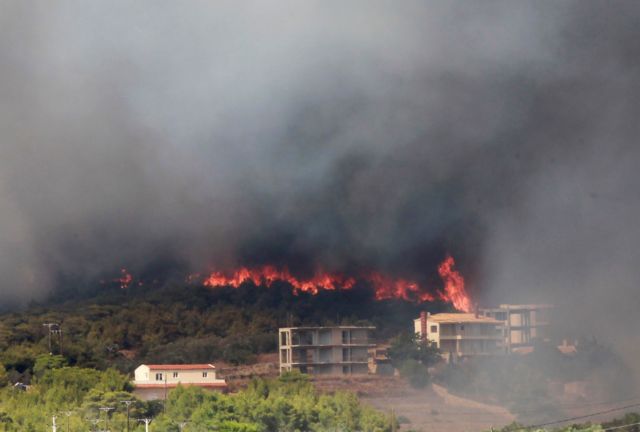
(347, 135)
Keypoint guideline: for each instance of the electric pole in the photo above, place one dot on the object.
(106, 415)
(58, 331)
(393, 421)
(128, 404)
(68, 414)
(146, 422)
(95, 422)
(52, 327)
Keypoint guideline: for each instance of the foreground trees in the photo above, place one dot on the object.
(76, 396)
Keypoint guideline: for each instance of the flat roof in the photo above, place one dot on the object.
(505, 307)
(329, 328)
(461, 318)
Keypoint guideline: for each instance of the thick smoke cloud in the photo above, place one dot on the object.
(366, 135)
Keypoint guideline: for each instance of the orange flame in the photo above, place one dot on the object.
(266, 275)
(125, 279)
(385, 287)
(454, 290)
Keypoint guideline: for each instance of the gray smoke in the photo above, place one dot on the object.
(365, 135)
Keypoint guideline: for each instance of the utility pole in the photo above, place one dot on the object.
(106, 415)
(393, 421)
(51, 327)
(95, 422)
(54, 427)
(68, 414)
(146, 422)
(128, 404)
(58, 331)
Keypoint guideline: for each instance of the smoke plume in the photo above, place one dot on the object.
(359, 135)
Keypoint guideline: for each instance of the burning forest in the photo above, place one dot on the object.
(385, 287)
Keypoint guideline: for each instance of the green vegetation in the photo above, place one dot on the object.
(108, 335)
(628, 423)
(412, 357)
(289, 403)
(183, 324)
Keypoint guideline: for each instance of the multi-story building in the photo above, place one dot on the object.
(340, 350)
(153, 381)
(523, 324)
(459, 335)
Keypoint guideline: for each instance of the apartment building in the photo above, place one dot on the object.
(460, 335)
(523, 324)
(153, 381)
(339, 350)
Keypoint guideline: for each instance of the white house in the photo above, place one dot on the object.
(153, 381)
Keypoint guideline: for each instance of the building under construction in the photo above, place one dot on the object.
(339, 350)
(524, 324)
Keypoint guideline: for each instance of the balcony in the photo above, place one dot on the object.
(471, 337)
(328, 362)
(352, 342)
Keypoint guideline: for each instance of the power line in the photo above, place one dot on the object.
(620, 427)
(611, 428)
(483, 411)
(582, 416)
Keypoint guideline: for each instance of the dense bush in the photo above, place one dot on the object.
(184, 324)
(413, 357)
(290, 403)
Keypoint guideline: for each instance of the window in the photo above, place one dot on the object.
(434, 329)
(204, 374)
(345, 337)
(175, 374)
(345, 354)
(462, 327)
(158, 377)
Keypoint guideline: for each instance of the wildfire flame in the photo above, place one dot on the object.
(454, 290)
(266, 275)
(125, 279)
(385, 287)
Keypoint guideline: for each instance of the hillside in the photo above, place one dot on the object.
(185, 323)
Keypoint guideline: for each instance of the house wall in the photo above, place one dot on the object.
(143, 375)
(417, 327)
(465, 339)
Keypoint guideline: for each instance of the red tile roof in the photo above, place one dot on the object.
(172, 367)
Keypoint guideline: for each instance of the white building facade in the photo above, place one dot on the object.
(153, 381)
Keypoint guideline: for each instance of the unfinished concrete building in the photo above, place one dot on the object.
(523, 324)
(460, 335)
(340, 350)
